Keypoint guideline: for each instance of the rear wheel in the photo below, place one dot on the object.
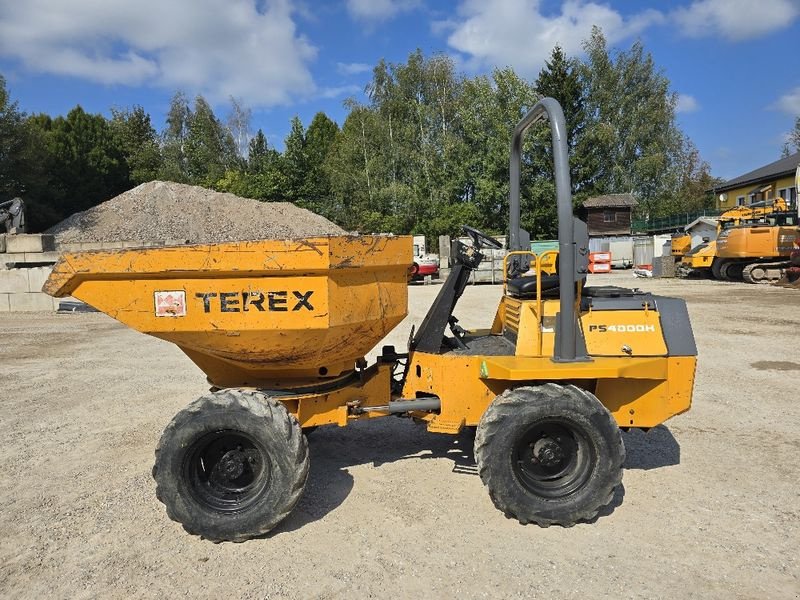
(549, 454)
(231, 465)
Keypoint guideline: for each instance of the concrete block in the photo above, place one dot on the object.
(79, 246)
(11, 258)
(30, 242)
(31, 302)
(42, 257)
(132, 244)
(36, 278)
(14, 281)
(111, 245)
(70, 247)
(5, 303)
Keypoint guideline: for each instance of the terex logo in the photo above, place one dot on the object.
(259, 301)
(622, 328)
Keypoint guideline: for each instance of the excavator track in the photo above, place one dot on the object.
(764, 272)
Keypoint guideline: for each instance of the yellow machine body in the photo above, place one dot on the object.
(700, 257)
(758, 240)
(630, 372)
(281, 313)
(680, 244)
(355, 293)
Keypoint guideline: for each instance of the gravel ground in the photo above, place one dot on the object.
(709, 506)
(162, 210)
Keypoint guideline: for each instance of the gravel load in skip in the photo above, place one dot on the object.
(178, 213)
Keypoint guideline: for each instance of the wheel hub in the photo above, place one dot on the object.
(553, 458)
(227, 471)
(548, 452)
(231, 466)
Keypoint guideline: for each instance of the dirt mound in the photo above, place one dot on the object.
(167, 211)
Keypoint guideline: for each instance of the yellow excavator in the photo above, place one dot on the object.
(703, 259)
(757, 250)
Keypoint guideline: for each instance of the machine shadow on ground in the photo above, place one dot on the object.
(334, 450)
(651, 450)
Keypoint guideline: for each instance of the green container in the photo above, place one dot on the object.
(539, 246)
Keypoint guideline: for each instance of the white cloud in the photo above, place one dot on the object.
(244, 48)
(352, 68)
(516, 33)
(343, 90)
(736, 19)
(376, 11)
(790, 102)
(686, 104)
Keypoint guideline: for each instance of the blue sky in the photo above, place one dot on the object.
(735, 63)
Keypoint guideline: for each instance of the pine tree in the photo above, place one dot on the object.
(139, 143)
(294, 162)
(319, 140)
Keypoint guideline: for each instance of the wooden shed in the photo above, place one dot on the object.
(610, 214)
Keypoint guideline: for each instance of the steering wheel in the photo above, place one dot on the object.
(480, 239)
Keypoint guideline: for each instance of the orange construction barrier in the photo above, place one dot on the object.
(599, 262)
(600, 257)
(599, 267)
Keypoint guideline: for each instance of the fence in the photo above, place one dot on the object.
(676, 221)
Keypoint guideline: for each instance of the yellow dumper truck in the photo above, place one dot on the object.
(281, 328)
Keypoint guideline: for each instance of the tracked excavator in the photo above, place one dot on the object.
(704, 259)
(757, 250)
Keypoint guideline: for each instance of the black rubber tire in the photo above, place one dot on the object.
(733, 272)
(505, 425)
(278, 444)
(723, 272)
(716, 268)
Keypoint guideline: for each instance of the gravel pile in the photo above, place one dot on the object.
(167, 211)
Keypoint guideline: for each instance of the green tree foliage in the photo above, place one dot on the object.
(87, 164)
(12, 143)
(491, 107)
(294, 163)
(173, 140)
(319, 139)
(135, 135)
(631, 132)
(209, 147)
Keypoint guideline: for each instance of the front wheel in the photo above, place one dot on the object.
(231, 465)
(549, 454)
(716, 268)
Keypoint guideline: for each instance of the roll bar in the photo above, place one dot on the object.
(565, 349)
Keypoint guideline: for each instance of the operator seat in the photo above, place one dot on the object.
(525, 287)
